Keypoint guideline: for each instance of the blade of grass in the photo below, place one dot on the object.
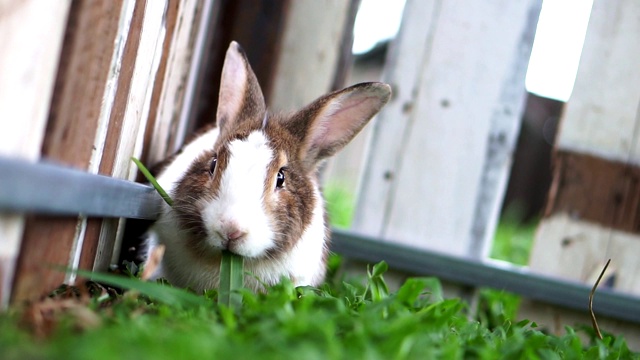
(152, 180)
(231, 280)
(594, 322)
(158, 292)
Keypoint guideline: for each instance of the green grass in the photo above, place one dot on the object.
(339, 320)
(512, 242)
(513, 239)
(340, 205)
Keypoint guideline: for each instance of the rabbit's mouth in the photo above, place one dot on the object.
(243, 245)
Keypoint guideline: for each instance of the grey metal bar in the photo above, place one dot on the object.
(467, 271)
(53, 189)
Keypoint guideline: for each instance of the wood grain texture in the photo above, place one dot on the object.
(166, 130)
(130, 111)
(578, 250)
(593, 211)
(593, 189)
(310, 53)
(596, 187)
(71, 134)
(148, 155)
(32, 36)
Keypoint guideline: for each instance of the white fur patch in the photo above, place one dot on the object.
(240, 204)
(305, 260)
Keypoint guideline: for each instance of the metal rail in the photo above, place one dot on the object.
(53, 189)
(508, 277)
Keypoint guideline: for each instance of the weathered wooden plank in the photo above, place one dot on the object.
(310, 52)
(601, 117)
(593, 189)
(93, 29)
(32, 33)
(167, 123)
(448, 133)
(129, 118)
(593, 209)
(402, 71)
(575, 249)
(593, 203)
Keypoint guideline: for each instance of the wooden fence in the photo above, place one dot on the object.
(86, 85)
(89, 84)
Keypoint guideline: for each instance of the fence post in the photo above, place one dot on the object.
(593, 207)
(310, 52)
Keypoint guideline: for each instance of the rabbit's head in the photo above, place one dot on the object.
(253, 190)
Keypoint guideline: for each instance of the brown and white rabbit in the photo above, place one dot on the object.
(250, 184)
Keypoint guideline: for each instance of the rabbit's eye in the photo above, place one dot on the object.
(212, 167)
(280, 178)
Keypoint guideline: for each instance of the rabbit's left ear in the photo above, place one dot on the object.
(240, 96)
(329, 123)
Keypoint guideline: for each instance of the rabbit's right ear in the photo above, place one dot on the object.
(240, 94)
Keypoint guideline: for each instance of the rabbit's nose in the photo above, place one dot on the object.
(235, 235)
(231, 231)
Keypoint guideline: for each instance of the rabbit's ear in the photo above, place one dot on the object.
(240, 94)
(329, 123)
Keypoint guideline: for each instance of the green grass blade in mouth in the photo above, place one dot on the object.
(231, 280)
(152, 180)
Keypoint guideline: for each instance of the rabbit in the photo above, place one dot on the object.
(249, 185)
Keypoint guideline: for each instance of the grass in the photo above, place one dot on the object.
(340, 205)
(335, 321)
(513, 239)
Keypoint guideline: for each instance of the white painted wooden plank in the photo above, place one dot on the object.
(602, 115)
(602, 120)
(32, 33)
(108, 99)
(310, 52)
(150, 51)
(111, 86)
(504, 128)
(30, 42)
(170, 121)
(148, 57)
(578, 250)
(403, 70)
(424, 178)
